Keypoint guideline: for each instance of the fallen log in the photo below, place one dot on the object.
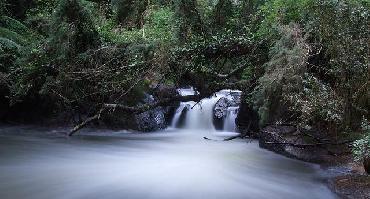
(134, 109)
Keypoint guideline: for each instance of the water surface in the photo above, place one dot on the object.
(41, 164)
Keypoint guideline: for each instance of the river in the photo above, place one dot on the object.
(40, 163)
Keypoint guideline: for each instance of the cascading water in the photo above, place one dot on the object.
(37, 163)
(229, 122)
(199, 115)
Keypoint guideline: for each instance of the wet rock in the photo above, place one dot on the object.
(164, 92)
(236, 99)
(220, 112)
(220, 109)
(152, 120)
(287, 141)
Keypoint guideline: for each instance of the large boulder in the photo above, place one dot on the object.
(220, 112)
(151, 120)
(235, 99)
(287, 141)
(164, 92)
(160, 117)
(221, 108)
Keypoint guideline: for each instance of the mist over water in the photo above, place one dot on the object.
(37, 163)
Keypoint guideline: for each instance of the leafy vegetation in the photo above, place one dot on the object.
(303, 62)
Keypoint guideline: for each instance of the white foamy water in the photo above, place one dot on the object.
(199, 115)
(229, 122)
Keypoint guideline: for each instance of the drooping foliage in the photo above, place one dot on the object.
(288, 91)
(222, 13)
(130, 13)
(73, 31)
(188, 20)
(344, 30)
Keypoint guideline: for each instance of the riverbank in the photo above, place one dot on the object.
(346, 177)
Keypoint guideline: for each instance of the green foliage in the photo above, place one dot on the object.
(309, 57)
(361, 147)
(40, 14)
(344, 30)
(189, 23)
(330, 85)
(130, 13)
(157, 28)
(280, 12)
(2, 8)
(14, 36)
(11, 35)
(73, 31)
(223, 12)
(285, 69)
(14, 25)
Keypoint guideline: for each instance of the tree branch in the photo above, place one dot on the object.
(134, 109)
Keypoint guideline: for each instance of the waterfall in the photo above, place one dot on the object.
(229, 122)
(199, 115)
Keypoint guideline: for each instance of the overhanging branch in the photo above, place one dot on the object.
(134, 109)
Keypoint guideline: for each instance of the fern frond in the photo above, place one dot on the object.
(6, 43)
(13, 36)
(14, 25)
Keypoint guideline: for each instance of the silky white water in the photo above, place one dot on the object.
(199, 115)
(229, 122)
(39, 163)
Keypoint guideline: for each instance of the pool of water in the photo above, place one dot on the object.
(38, 163)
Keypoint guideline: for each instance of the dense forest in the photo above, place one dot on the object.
(298, 62)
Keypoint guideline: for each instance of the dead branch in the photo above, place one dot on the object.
(134, 109)
(86, 122)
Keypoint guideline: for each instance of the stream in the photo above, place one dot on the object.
(39, 163)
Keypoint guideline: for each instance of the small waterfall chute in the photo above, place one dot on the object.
(199, 115)
(229, 122)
